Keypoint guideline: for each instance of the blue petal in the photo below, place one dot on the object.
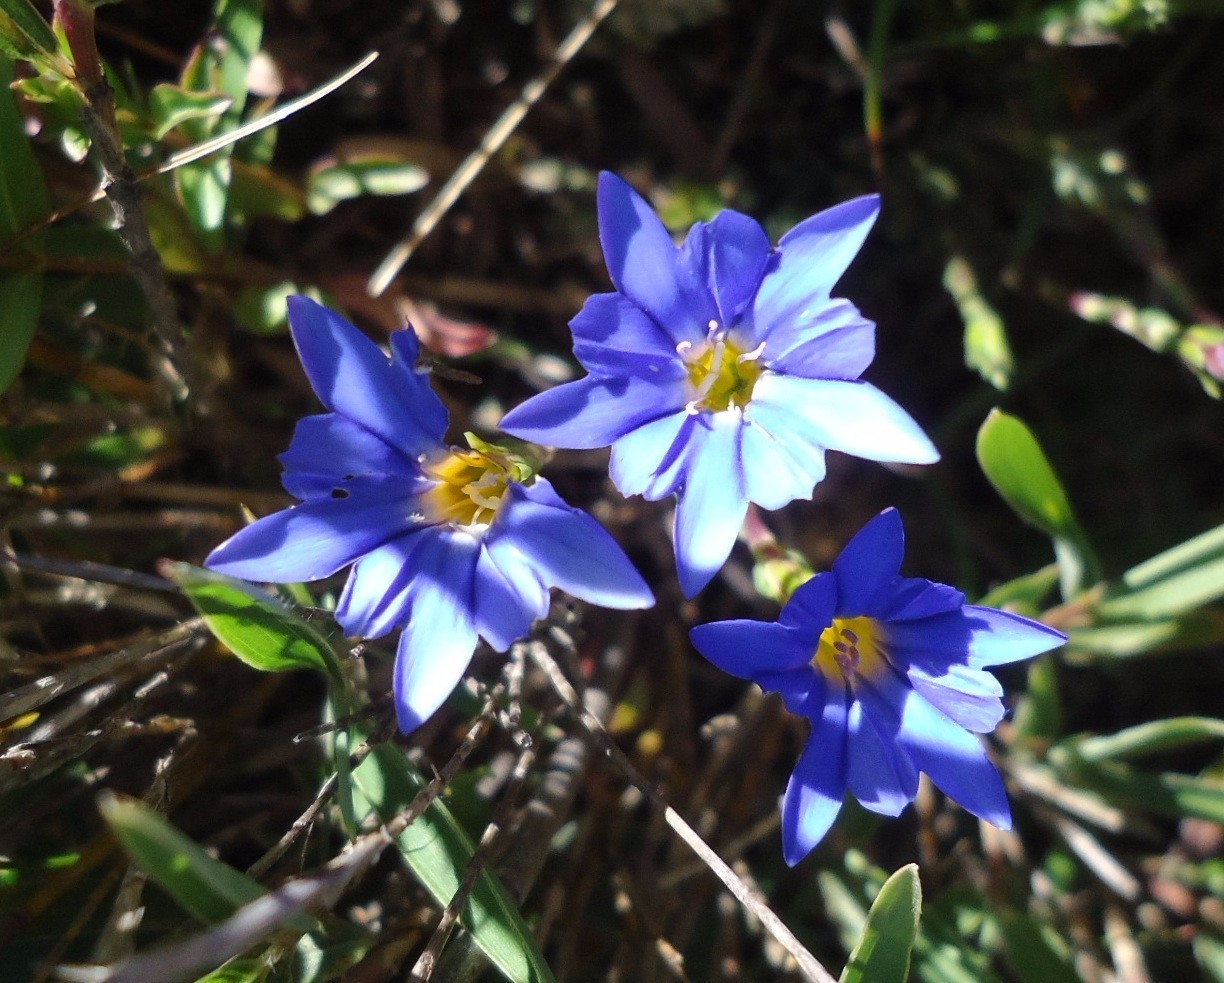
(775, 471)
(310, 541)
(354, 378)
(437, 646)
(818, 784)
(375, 599)
(507, 602)
(970, 697)
(329, 450)
(713, 503)
(975, 636)
(811, 607)
(567, 548)
(612, 336)
(953, 758)
(838, 344)
(879, 773)
(729, 254)
(810, 259)
(913, 598)
(999, 637)
(852, 417)
(592, 412)
(801, 689)
(644, 266)
(869, 564)
(647, 461)
(748, 649)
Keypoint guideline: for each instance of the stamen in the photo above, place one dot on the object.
(683, 347)
(753, 355)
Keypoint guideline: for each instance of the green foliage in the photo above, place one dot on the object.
(1016, 465)
(370, 173)
(882, 953)
(437, 850)
(24, 34)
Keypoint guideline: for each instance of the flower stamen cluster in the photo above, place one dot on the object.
(851, 647)
(721, 372)
(470, 487)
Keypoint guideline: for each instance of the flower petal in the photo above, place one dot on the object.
(644, 266)
(592, 412)
(375, 598)
(310, 541)
(838, 344)
(1000, 637)
(612, 336)
(818, 784)
(748, 649)
(809, 261)
(869, 564)
(729, 254)
(436, 647)
(713, 503)
(852, 417)
(568, 549)
(970, 697)
(913, 598)
(329, 450)
(811, 607)
(954, 758)
(775, 471)
(353, 377)
(879, 773)
(647, 461)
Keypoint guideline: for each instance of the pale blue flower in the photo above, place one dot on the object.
(451, 544)
(889, 670)
(722, 370)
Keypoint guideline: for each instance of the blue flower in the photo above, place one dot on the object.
(889, 671)
(721, 371)
(450, 543)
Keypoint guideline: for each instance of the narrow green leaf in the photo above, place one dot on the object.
(250, 970)
(1039, 715)
(438, 851)
(1167, 793)
(1174, 594)
(20, 300)
(882, 954)
(370, 175)
(987, 350)
(1123, 641)
(255, 626)
(1013, 461)
(1026, 593)
(1149, 738)
(207, 888)
(24, 34)
(1191, 553)
(172, 105)
(1209, 953)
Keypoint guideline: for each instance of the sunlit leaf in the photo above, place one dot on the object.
(253, 625)
(25, 34)
(882, 953)
(172, 105)
(1150, 738)
(987, 350)
(1015, 464)
(369, 174)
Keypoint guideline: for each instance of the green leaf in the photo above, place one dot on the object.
(20, 300)
(1120, 641)
(1150, 738)
(255, 626)
(25, 34)
(252, 970)
(986, 347)
(1173, 582)
(1039, 714)
(1013, 461)
(1167, 793)
(207, 888)
(23, 192)
(172, 105)
(438, 851)
(370, 174)
(1025, 594)
(1209, 953)
(882, 954)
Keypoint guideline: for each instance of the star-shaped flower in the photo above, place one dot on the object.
(889, 670)
(450, 543)
(721, 370)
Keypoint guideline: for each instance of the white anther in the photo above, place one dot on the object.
(683, 347)
(753, 355)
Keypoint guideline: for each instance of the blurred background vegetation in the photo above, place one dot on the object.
(1053, 185)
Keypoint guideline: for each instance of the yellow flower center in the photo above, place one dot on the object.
(471, 484)
(721, 372)
(850, 647)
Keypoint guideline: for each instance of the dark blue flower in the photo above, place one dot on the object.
(450, 543)
(889, 670)
(721, 371)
